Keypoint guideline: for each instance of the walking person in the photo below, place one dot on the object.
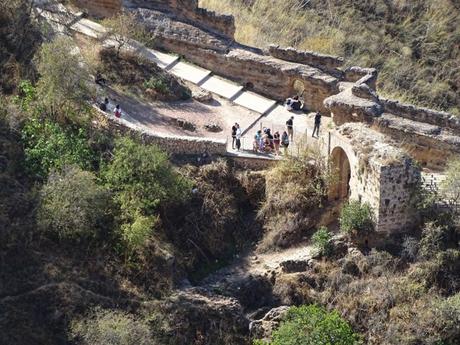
(234, 135)
(285, 142)
(238, 136)
(290, 128)
(317, 124)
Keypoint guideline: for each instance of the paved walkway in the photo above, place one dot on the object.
(272, 115)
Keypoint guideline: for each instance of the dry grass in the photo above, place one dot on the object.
(296, 191)
(414, 44)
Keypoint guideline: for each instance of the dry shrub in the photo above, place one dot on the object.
(111, 327)
(295, 198)
(138, 75)
(216, 222)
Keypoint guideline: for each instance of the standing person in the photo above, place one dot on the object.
(117, 111)
(277, 142)
(317, 124)
(234, 135)
(290, 128)
(270, 139)
(285, 142)
(238, 137)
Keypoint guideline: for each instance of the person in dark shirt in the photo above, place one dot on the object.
(290, 127)
(234, 128)
(317, 124)
(103, 105)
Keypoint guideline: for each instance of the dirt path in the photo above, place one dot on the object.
(252, 264)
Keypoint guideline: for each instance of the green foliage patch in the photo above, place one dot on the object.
(312, 325)
(321, 239)
(48, 146)
(142, 180)
(356, 217)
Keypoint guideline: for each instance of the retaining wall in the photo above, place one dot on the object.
(170, 143)
(100, 8)
(326, 63)
(420, 114)
(190, 11)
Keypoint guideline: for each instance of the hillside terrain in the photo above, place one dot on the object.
(108, 238)
(415, 45)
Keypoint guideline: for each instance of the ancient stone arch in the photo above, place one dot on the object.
(342, 170)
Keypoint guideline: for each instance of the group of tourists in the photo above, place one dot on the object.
(266, 142)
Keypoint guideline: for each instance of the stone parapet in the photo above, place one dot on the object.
(173, 144)
(326, 63)
(360, 75)
(188, 10)
(420, 114)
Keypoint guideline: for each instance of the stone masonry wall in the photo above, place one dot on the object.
(190, 11)
(100, 8)
(327, 63)
(397, 182)
(421, 114)
(381, 175)
(268, 76)
(170, 143)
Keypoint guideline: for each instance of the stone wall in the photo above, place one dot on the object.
(100, 8)
(172, 144)
(421, 114)
(327, 63)
(265, 75)
(381, 174)
(397, 182)
(432, 146)
(189, 10)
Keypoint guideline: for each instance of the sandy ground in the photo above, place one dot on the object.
(158, 116)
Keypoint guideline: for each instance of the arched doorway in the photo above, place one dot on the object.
(298, 87)
(340, 189)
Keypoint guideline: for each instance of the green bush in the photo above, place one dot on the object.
(72, 205)
(111, 328)
(312, 325)
(48, 146)
(356, 217)
(158, 84)
(142, 180)
(322, 241)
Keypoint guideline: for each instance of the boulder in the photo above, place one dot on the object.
(263, 328)
(202, 96)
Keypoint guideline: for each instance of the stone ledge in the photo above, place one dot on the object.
(421, 114)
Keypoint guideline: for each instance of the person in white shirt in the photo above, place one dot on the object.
(238, 137)
(117, 111)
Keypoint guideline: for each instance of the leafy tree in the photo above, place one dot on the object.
(72, 205)
(64, 81)
(111, 328)
(48, 146)
(142, 179)
(125, 28)
(356, 217)
(322, 241)
(312, 325)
